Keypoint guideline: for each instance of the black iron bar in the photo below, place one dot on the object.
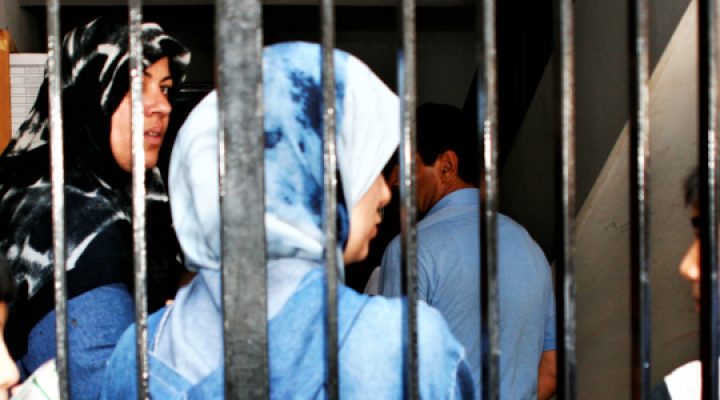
(407, 82)
(327, 21)
(708, 160)
(242, 197)
(487, 145)
(565, 211)
(54, 46)
(138, 194)
(639, 196)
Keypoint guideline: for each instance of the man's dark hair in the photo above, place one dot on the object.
(7, 284)
(442, 127)
(692, 190)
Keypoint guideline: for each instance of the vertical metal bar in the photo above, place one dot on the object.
(639, 196)
(327, 21)
(565, 272)
(138, 192)
(708, 159)
(54, 44)
(408, 195)
(242, 197)
(488, 114)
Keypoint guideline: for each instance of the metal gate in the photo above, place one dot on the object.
(239, 37)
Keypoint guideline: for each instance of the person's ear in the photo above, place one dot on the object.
(447, 163)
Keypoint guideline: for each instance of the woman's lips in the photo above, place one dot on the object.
(153, 138)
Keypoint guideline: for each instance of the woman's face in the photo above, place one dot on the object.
(690, 264)
(364, 218)
(157, 83)
(9, 375)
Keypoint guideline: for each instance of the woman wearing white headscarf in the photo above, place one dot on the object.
(186, 360)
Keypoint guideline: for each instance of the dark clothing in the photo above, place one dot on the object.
(98, 202)
(660, 392)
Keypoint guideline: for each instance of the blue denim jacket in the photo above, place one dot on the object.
(370, 342)
(91, 337)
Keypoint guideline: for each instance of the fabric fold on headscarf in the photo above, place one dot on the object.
(95, 78)
(368, 121)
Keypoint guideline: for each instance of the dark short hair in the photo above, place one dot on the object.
(692, 190)
(7, 285)
(442, 127)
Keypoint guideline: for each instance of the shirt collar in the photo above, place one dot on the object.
(468, 196)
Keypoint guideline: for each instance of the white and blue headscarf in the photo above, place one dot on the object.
(368, 121)
(368, 133)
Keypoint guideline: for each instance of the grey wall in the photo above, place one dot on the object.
(602, 261)
(23, 27)
(527, 184)
(445, 60)
(445, 39)
(602, 240)
(602, 73)
(445, 44)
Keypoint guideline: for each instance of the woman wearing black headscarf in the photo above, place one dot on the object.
(96, 125)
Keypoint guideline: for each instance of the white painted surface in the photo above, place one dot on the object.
(26, 76)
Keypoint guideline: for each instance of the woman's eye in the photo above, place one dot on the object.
(165, 90)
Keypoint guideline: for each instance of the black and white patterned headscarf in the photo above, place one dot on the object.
(95, 78)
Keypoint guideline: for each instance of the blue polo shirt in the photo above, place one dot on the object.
(449, 280)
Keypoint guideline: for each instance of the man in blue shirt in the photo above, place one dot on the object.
(449, 260)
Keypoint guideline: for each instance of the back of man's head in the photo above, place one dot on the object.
(442, 127)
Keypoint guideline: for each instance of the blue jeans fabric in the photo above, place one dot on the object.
(165, 383)
(96, 320)
(371, 356)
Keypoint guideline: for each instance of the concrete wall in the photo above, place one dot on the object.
(602, 241)
(602, 260)
(445, 40)
(527, 180)
(445, 60)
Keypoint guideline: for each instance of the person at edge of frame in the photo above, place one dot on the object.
(98, 201)
(9, 375)
(449, 260)
(685, 382)
(187, 362)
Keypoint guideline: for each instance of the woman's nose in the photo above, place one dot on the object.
(156, 102)
(690, 264)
